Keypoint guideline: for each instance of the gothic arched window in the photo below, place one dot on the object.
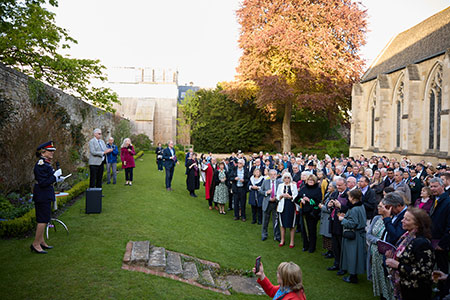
(399, 96)
(435, 99)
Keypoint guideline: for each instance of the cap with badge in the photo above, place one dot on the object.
(46, 146)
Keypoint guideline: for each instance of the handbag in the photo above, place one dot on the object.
(349, 234)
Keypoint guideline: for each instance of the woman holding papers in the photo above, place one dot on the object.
(382, 286)
(412, 262)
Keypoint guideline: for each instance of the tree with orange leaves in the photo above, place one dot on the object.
(299, 53)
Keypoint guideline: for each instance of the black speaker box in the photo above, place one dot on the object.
(93, 200)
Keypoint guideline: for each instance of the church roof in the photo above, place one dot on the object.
(421, 42)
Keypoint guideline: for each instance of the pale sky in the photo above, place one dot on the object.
(198, 37)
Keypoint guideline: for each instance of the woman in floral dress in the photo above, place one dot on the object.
(382, 286)
(221, 191)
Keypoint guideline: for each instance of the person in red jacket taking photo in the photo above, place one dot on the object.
(289, 278)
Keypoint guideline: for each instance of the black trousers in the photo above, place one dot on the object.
(96, 176)
(309, 232)
(169, 176)
(230, 199)
(129, 174)
(257, 214)
(336, 243)
(160, 164)
(240, 200)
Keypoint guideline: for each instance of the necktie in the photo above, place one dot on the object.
(272, 195)
(435, 202)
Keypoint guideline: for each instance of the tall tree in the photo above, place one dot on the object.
(30, 41)
(301, 53)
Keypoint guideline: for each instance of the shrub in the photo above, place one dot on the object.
(141, 141)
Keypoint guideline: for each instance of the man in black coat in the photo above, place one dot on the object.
(389, 178)
(170, 159)
(339, 204)
(393, 210)
(440, 228)
(415, 185)
(368, 199)
(239, 178)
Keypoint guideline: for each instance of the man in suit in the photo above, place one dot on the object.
(170, 159)
(269, 206)
(239, 178)
(338, 204)
(368, 199)
(440, 228)
(389, 178)
(446, 179)
(393, 210)
(400, 186)
(296, 174)
(256, 165)
(415, 185)
(97, 159)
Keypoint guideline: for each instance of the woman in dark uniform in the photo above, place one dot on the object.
(43, 193)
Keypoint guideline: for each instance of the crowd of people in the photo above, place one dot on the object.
(387, 218)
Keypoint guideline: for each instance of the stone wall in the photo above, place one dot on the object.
(15, 86)
(375, 118)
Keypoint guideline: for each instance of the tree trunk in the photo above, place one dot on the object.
(286, 127)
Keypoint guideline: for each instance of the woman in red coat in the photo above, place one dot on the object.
(289, 277)
(127, 156)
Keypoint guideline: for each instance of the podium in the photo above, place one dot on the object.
(93, 200)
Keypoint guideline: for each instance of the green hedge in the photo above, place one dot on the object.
(27, 222)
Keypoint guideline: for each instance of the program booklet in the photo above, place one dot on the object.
(383, 247)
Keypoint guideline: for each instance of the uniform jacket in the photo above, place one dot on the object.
(96, 154)
(43, 189)
(267, 186)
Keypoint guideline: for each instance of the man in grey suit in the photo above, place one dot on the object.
(269, 206)
(97, 159)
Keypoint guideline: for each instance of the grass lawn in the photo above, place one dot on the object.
(87, 263)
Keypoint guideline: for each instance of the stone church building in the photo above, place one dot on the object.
(401, 106)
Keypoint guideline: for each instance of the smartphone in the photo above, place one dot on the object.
(257, 264)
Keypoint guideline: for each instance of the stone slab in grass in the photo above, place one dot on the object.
(173, 263)
(139, 252)
(190, 271)
(157, 260)
(245, 285)
(206, 274)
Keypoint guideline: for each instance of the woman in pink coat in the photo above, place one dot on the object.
(127, 156)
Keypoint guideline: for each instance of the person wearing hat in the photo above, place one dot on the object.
(43, 193)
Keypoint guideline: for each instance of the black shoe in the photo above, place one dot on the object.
(253, 222)
(46, 247)
(329, 255)
(350, 279)
(235, 218)
(229, 208)
(341, 272)
(312, 250)
(264, 238)
(333, 268)
(35, 251)
(305, 249)
(108, 183)
(259, 223)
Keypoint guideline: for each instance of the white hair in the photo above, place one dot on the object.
(97, 130)
(124, 141)
(241, 161)
(287, 174)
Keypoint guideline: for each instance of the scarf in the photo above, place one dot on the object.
(282, 291)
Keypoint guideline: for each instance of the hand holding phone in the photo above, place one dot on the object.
(257, 264)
